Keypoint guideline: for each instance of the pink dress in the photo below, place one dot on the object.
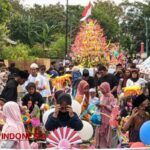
(103, 132)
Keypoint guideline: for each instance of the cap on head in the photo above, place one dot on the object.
(34, 66)
(92, 90)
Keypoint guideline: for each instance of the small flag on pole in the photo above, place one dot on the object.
(87, 12)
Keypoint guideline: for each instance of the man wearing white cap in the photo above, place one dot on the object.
(33, 73)
(35, 77)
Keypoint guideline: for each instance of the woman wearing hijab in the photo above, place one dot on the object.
(13, 125)
(123, 80)
(82, 96)
(63, 115)
(103, 132)
(135, 79)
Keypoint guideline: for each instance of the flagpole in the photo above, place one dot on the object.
(66, 39)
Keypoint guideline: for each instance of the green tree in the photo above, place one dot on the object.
(107, 14)
(44, 36)
(5, 9)
(17, 8)
(133, 23)
(53, 15)
(23, 28)
(18, 52)
(57, 48)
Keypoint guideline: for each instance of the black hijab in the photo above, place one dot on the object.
(137, 72)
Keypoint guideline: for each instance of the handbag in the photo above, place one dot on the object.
(96, 119)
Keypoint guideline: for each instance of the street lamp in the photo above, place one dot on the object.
(146, 34)
(66, 39)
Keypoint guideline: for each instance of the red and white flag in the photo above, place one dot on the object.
(87, 12)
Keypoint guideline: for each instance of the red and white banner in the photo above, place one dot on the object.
(87, 12)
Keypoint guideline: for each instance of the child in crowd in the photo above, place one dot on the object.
(63, 115)
(104, 132)
(126, 107)
(137, 118)
(32, 97)
(93, 98)
(14, 125)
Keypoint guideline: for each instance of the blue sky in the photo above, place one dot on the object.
(72, 2)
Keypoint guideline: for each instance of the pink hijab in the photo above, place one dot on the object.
(14, 123)
(82, 85)
(106, 88)
(107, 97)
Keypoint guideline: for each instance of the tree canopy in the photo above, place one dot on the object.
(42, 28)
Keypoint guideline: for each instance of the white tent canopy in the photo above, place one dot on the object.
(145, 66)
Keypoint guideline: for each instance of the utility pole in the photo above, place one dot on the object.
(66, 39)
(146, 35)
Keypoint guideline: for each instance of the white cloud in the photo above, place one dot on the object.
(72, 2)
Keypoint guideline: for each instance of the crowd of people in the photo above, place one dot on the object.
(105, 90)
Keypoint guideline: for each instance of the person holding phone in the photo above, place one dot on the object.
(63, 115)
(137, 118)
